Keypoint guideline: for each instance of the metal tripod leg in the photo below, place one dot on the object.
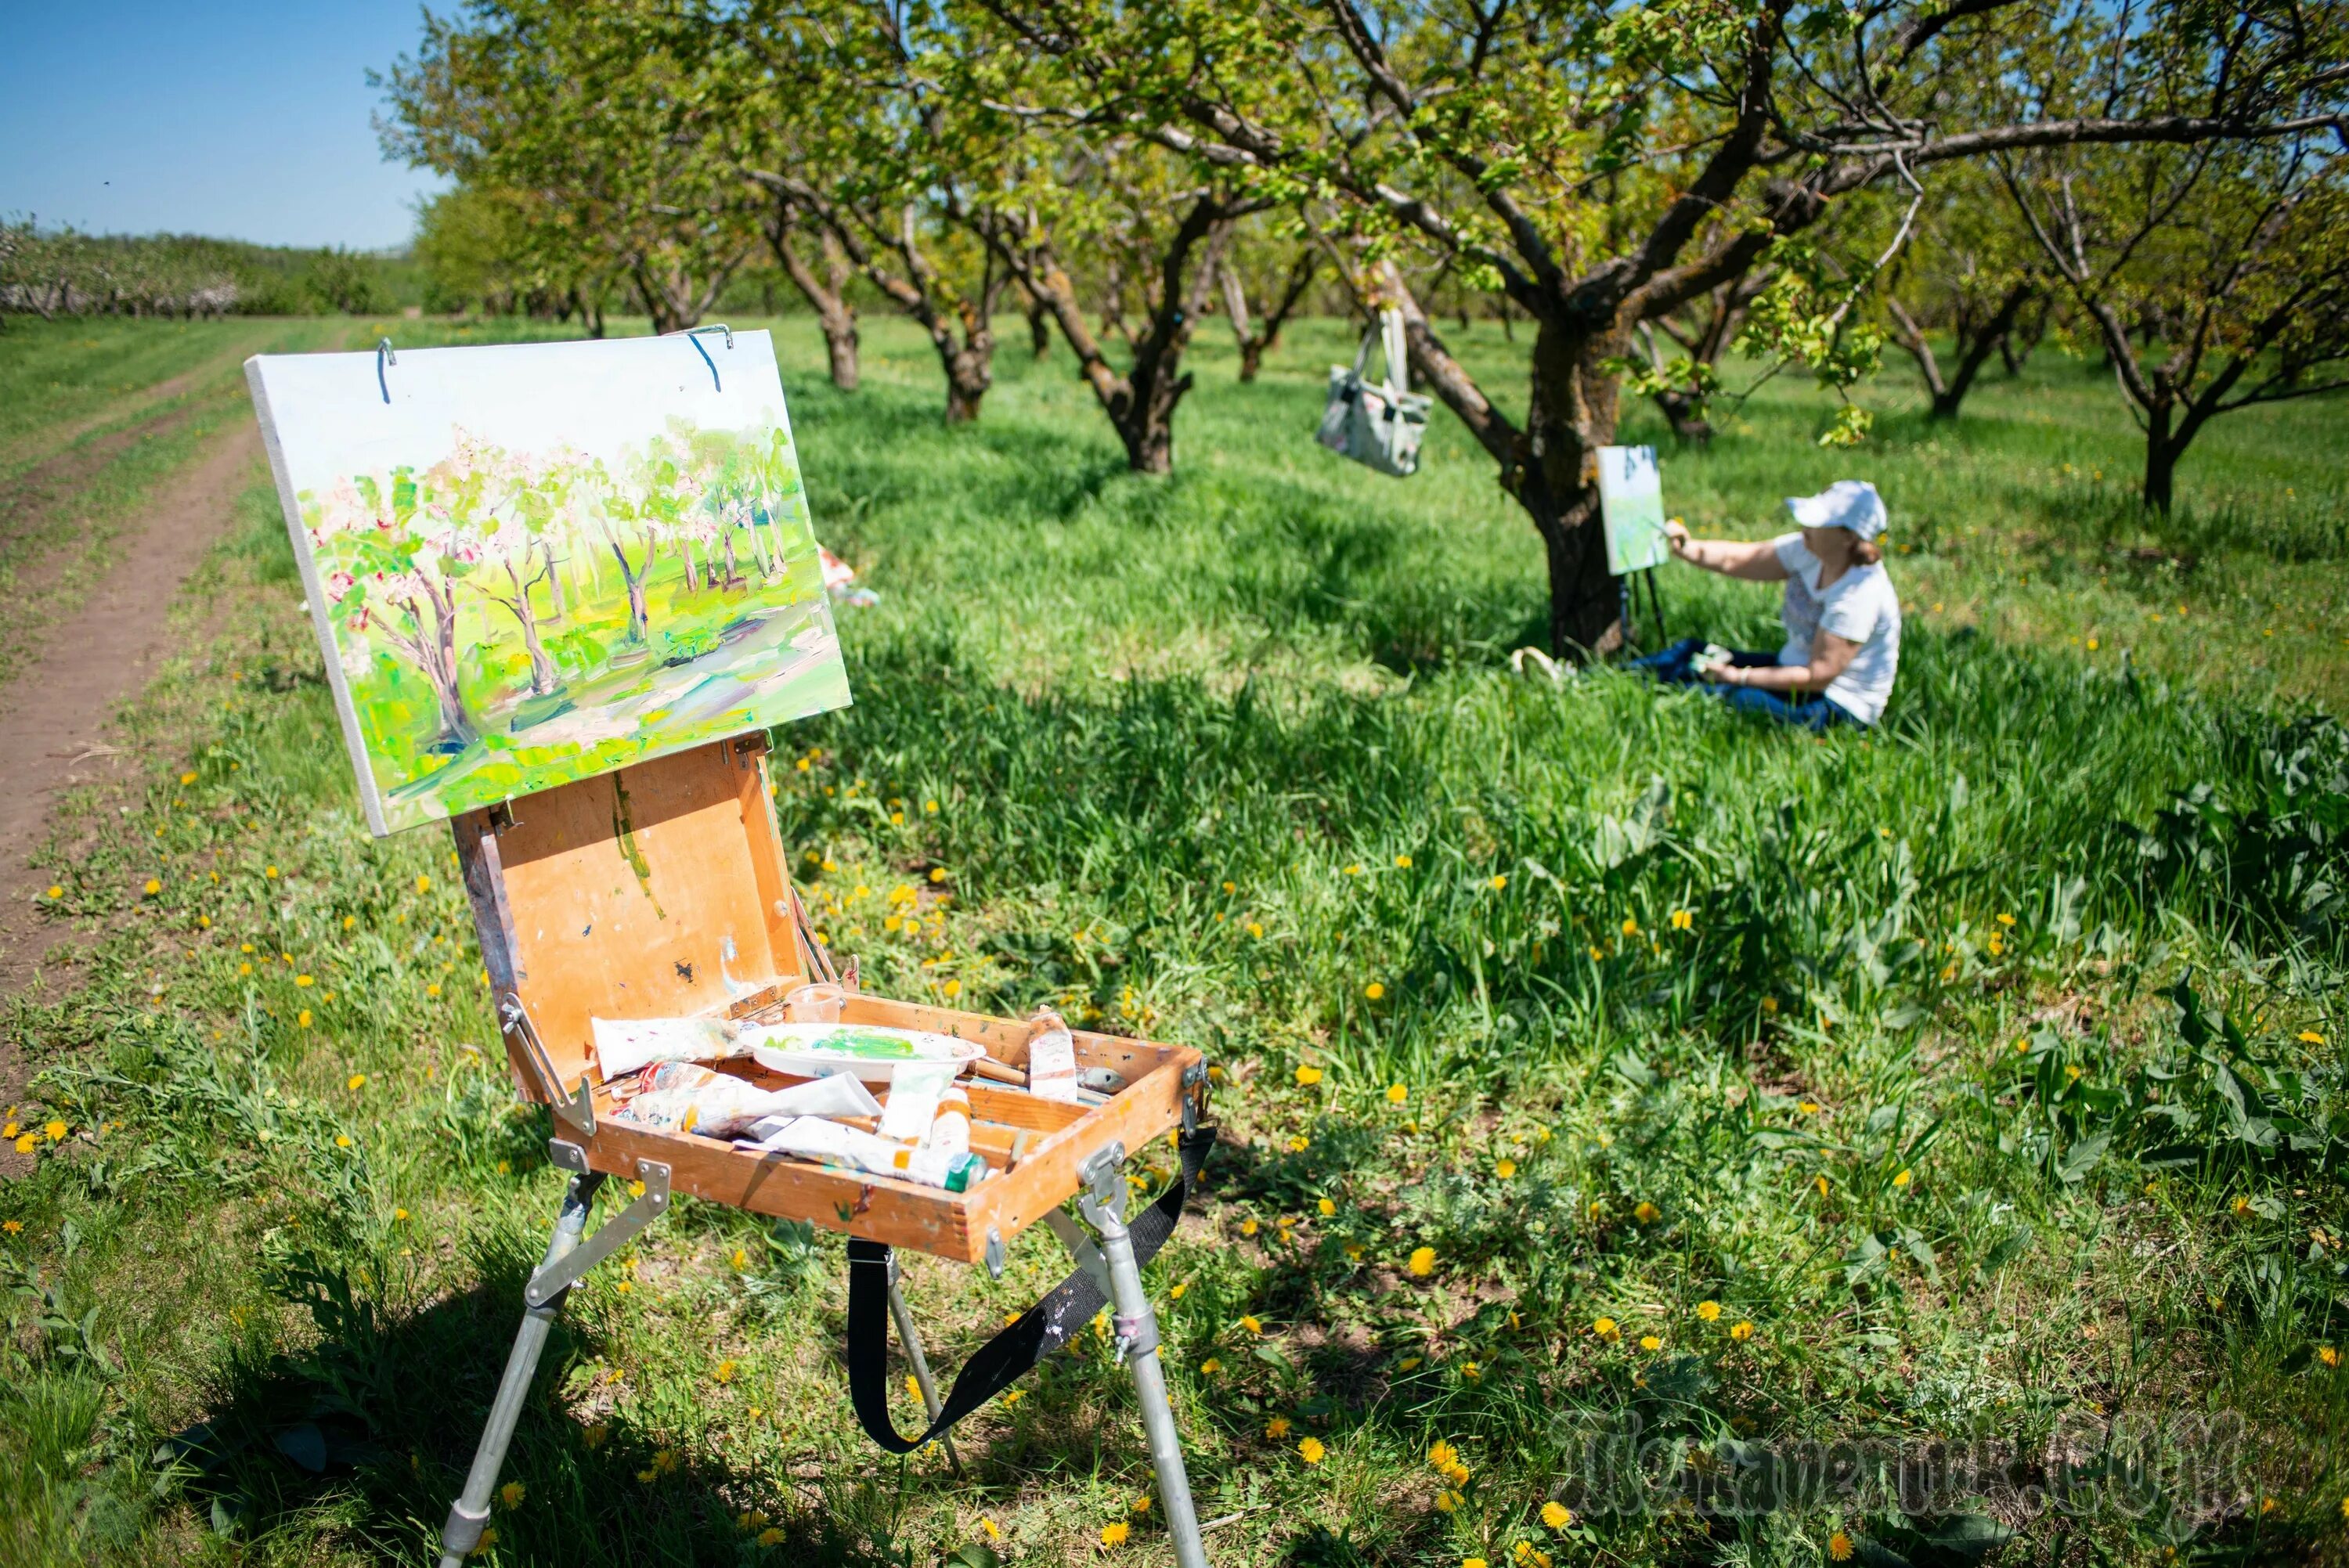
(1137, 1341)
(912, 1341)
(471, 1512)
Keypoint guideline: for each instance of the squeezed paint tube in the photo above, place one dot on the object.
(684, 1096)
(832, 1143)
(1052, 1058)
(913, 1100)
(624, 1045)
(949, 1131)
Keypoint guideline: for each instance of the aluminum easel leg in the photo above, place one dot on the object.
(904, 1317)
(1136, 1327)
(471, 1513)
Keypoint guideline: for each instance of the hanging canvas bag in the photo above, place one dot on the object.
(1379, 426)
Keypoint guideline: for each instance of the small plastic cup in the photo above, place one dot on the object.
(813, 1004)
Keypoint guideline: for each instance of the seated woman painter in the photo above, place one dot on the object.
(1841, 615)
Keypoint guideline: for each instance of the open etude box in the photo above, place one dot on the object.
(662, 891)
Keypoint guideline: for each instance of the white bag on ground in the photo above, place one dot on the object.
(1378, 426)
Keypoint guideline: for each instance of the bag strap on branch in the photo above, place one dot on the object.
(1039, 1330)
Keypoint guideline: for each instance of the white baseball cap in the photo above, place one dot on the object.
(1850, 504)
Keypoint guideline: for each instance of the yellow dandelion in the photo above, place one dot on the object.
(1298, 1143)
(2328, 1354)
(1708, 1311)
(1276, 1428)
(1397, 1094)
(1210, 1366)
(1647, 1213)
(1505, 1169)
(1402, 862)
(1139, 1505)
(342, 1140)
(1499, 881)
(1411, 1362)
(1840, 1544)
(1630, 926)
(1652, 1342)
(1557, 1515)
(57, 889)
(1308, 1076)
(27, 1143)
(1311, 1451)
(1374, 990)
(938, 873)
(512, 1494)
(1769, 1003)
(56, 1131)
(1253, 1324)
(1325, 1207)
(1249, 1227)
(1684, 918)
(1423, 1261)
(724, 1373)
(1741, 1330)
(2307, 1037)
(1255, 928)
(399, 1213)
(358, 1082)
(1175, 1294)
(269, 872)
(13, 1227)
(303, 1018)
(1606, 1328)
(1902, 1179)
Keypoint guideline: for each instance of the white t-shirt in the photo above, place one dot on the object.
(1859, 607)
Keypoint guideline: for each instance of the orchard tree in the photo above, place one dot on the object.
(2215, 276)
(1973, 272)
(599, 134)
(1278, 270)
(1604, 165)
(812, 257)
(826, 112)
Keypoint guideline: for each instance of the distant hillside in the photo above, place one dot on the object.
(62, 271)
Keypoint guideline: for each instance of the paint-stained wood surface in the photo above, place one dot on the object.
(662, 891)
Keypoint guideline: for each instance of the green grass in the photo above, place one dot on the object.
(1235, 759)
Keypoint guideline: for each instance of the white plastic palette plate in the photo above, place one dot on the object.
(818, 1050)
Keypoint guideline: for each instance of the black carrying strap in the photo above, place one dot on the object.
(1039, 1330)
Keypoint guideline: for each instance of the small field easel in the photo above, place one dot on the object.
(661, 890)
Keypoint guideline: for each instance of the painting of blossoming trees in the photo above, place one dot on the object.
(534, 564)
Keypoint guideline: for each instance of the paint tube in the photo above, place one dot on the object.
(949, 1131)
(624, 1045)
(913, 1101)
(832, 1143)
(1052, 1058)
(685, 1097)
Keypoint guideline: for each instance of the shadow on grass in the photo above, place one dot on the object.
(363, 1438)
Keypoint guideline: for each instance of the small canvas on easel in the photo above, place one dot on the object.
(533, 564)
(1632, 501)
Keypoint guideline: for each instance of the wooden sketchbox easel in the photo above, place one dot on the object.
(662, 891)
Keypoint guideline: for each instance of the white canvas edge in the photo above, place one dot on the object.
(370, 799)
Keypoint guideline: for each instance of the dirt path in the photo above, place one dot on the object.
(54, 716)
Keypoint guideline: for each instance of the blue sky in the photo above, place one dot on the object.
(248, 121)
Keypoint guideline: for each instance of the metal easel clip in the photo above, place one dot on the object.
(383, 357)
(693, 334)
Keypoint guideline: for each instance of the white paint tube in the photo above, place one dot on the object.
(949, 1131)
(913, 1101)
(684, 1096)
(1052, 1058)
(832, 1143)
(624, 1045)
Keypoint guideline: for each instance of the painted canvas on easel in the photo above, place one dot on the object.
(537, 562)
(1632, 502)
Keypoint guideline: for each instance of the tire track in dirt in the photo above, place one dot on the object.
(54, 714)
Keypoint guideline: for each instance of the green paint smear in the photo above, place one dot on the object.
(624, 829)
(865, 1045)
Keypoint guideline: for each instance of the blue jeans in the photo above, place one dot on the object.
(1671, 665)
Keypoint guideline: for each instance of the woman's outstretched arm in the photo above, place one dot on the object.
(1756, 561)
